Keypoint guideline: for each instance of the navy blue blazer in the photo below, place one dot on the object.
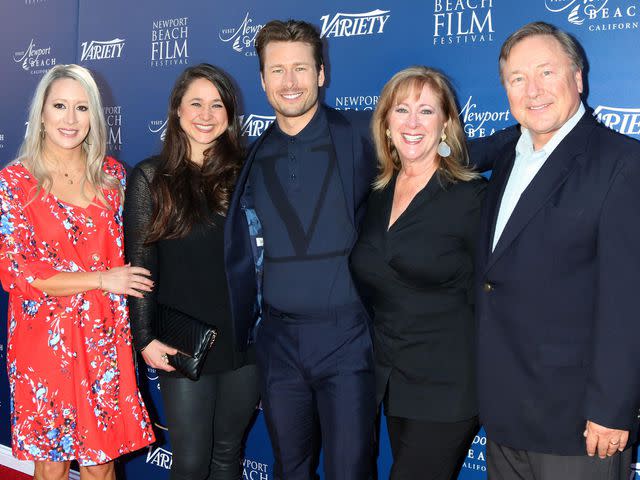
(355, 155)
(557, 300)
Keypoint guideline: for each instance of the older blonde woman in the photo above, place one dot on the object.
(69, 357)
(414, 262)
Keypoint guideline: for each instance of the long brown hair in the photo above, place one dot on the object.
(181, 189)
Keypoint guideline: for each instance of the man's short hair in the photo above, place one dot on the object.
(289, 31)
(568, 44)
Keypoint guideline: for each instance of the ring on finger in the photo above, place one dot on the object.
(614, 443)
(165, 358)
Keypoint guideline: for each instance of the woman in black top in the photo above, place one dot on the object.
(174, 217)
(414, 264)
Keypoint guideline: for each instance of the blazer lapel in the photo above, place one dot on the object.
(551, 176)
(341, 135)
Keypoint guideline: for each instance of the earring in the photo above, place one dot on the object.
(388, 132)
(444, 150)
(42, 131)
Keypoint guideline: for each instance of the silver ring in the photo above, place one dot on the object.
(614, 443)
(165, 358)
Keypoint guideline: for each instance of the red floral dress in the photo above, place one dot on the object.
(69, 359)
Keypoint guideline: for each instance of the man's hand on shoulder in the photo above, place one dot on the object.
(603, 440)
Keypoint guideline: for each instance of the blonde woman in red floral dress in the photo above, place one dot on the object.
(69, 357)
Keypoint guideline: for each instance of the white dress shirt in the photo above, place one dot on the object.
(525, 167)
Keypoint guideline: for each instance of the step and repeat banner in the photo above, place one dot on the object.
(137, 49)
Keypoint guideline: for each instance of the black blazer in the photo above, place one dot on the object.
(349, 131)
(418, 277)
(557, 300)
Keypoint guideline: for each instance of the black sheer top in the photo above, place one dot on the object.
(188, 273)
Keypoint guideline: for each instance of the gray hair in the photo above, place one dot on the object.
(568, 44)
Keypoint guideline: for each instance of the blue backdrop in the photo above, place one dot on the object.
(136, 50)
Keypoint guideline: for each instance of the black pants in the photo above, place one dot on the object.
(504, 463)
(207, 420)
(428, 450)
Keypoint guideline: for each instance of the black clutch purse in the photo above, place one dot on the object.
(189, 336)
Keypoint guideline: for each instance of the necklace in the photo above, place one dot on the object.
(69, 176)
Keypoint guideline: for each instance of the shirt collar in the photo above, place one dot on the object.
(525, 143)
(311, 130)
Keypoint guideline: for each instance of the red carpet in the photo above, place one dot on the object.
(9, 474)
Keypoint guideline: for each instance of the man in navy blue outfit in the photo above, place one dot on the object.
(292, 223)
(558, 264)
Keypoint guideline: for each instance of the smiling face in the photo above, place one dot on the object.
(291, 81)
(543, 86)
(203, 116)
(416, 124)
(65, 116)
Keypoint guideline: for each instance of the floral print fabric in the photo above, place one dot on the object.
(69, 359)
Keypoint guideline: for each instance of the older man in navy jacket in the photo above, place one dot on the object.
(558, 269)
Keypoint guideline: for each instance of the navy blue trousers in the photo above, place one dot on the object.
(317, 371)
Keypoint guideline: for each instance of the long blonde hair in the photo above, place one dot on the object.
(94, 145)
(455, 167)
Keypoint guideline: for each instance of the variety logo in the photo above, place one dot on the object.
(113, 117)
(253, 470)
(474, 119)
(242, 37)
(101, 50)
(599, 15)
(159, 457)
(623, 120)
(35, 60)
(356, 102)
(169, 42)
(255, 125)
(158, 127)
(462, 21)
(1, 146)
(33, 2)
(476, 456)
(350, 24)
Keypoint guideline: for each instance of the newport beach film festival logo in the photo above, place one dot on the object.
(35, 59)
(623, 120)
(254, 125)
(243, 37)
(481, 123)
(159, 128)
(356, 102)
(457, 22)
(170, 42)
(598, 15)
(113, 117)
(102, 50)
(476, 455)
(352, 24)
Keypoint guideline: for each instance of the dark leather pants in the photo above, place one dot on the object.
(207, 420)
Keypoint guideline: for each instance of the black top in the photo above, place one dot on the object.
(188, 273)
(418, 278)
(307, 230)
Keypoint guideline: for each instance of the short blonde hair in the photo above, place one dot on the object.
(94, 146)
(409, 81)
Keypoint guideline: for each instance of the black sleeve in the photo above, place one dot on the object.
(484, 151)
(138, 209)
(471, 222)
